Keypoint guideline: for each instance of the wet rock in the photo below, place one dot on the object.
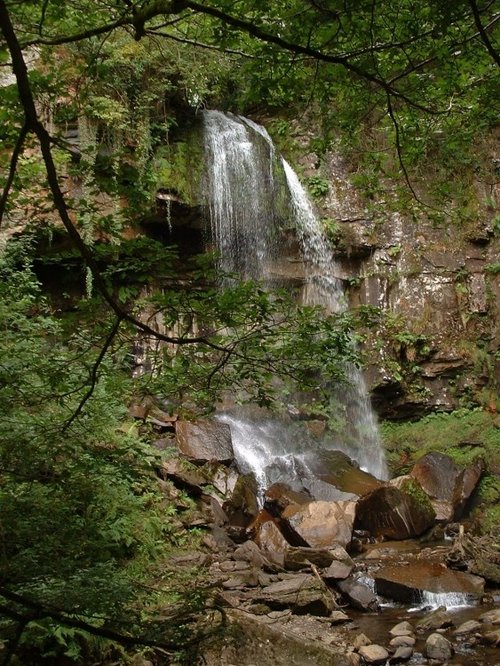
(408, 583)
(340, 471)
(403, 653)
(468, 627)
(492, 638)
(389, 512)
(337, 571)
(438, 619)
(205, 440)
(280, 495)
(374, 654)
(438, 647)
(242, 506)
(402, 629)
(301, 593)
(360, 596)
(402, 641)
(322, 524)
(491, 617)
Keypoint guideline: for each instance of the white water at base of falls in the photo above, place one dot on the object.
(248, 193)
(450, 600)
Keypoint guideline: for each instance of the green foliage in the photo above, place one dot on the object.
(83, 523)
(318, 187)
(465, 436)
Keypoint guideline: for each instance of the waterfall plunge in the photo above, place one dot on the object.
(249, 193)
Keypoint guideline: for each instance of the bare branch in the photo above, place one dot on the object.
(12, 169)
(94, 373)
(482, 31)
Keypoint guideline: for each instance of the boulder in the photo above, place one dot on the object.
(402, 629)
(437, 619)
(389, 512)
(337, 571)
(249, 552)
(321, 524)
(241, 505)
(205, 440)
(402, 641)
(492, 638)
(184, 475)
(280, 495)
(251, 639)
(360, 640)
(446, 483)
(270, 538)
(468, 627)
(438, 647)
(403, 653)
(374, 654)
(408, 583)
(340, 471)
(491, 617)
(302, 593)
(359, 595)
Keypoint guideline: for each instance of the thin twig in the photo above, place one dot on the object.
(94, 372)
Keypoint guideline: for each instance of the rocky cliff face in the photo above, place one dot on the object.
(436, 284)
(438, 288)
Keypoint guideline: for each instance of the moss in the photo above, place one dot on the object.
(415, 491)
(178, 167)
(464, 435)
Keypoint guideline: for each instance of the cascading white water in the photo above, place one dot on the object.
(249, 190)
(239, 195)
(449, 600)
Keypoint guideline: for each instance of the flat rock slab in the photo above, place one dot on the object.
(301, 593)
(297, 558)
(409, 582)
(254, 640)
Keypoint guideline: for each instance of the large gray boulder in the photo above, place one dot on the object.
(205, 440)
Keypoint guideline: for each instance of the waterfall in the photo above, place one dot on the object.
(250, 194)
